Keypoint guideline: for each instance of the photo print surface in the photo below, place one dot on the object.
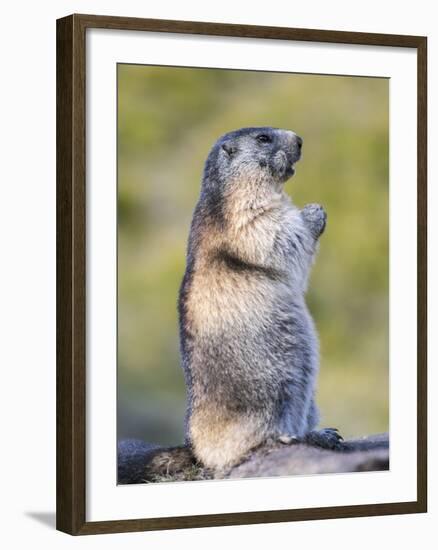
(230, 374)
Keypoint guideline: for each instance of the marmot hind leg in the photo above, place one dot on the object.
(326, 438)
(312, 416)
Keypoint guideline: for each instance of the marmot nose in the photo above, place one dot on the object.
(299, 142)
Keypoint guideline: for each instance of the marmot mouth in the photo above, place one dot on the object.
(290, 171)
(283, 164)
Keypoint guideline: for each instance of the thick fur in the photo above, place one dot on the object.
(248, 343)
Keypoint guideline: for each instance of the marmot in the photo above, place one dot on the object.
(248, 342)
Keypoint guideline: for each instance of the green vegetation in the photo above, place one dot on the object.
(168, 118)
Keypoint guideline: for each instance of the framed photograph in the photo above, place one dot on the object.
(241, 274)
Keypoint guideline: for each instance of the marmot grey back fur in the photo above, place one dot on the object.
(249, 346)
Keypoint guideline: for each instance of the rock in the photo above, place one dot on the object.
(367, 454)
(132, 458)
(356, 455)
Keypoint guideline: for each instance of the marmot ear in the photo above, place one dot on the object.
(229, 148)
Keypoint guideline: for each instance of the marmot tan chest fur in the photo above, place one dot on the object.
(248, 343)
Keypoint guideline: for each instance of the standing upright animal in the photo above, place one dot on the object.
(248, 342)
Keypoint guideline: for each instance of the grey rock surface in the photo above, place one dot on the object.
(366, 454)
(355, 455)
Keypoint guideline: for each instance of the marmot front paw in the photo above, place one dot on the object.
(315, 217)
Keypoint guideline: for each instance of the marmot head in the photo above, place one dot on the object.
(263, 155)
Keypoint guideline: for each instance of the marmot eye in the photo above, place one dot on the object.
(263, 138)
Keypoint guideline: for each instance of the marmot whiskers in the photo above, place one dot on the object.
(249, 346)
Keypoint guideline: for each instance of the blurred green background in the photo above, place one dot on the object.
(168, 119)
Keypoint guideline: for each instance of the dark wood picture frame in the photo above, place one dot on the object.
(71, 272)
